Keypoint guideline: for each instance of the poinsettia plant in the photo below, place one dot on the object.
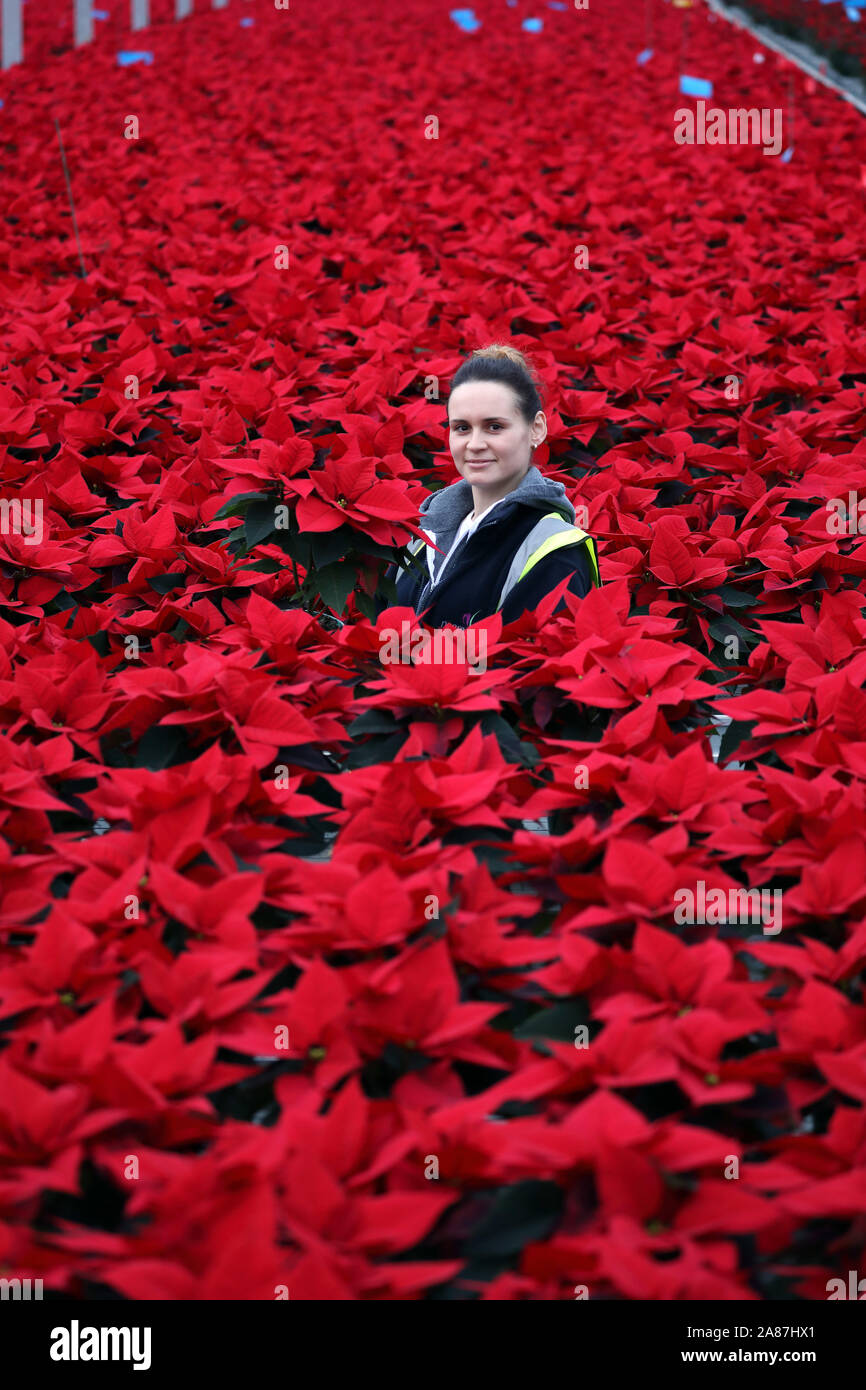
(339, 525)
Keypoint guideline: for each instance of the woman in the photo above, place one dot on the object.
(504, 535)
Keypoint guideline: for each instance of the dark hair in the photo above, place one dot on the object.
(501, 362)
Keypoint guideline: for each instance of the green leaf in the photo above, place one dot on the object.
(510, 745)
(304, 755)
(267, 565)
(373, 721)
(381, 551)
(164, 583)
(377, 750)
(236, 506)
(558, 1022)
(521, 1213)
(99, 642)
(734, 734)
(298, 547)
(724, 627)
(334, 584)
(328, 546)
(736, 598)
(160, 746)
(367, 606)
(260, 521)
(387, 589)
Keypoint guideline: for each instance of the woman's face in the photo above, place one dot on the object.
(489, 439)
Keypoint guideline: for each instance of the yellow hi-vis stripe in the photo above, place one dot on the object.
(573, 537)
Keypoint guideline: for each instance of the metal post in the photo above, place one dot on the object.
(182, 8)
(71, 199)
(83, 21)
(220, 4)
(12, 47)
(139, 17)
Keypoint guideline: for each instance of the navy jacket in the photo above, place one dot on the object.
(474, 577)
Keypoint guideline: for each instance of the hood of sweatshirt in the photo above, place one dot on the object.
(444, 510)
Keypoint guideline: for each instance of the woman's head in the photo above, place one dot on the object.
(495, 420)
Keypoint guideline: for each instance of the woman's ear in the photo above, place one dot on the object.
(539, 430)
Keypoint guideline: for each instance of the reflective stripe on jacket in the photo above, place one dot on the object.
(551, 533)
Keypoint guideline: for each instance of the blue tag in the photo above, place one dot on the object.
(556, 5)
(785, 156)
(466, 20)
(645, 56)
(695, 86)
(127, 56)
(533, 26)
(247, 23)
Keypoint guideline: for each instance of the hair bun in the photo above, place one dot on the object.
(513, 354)
(502, 350)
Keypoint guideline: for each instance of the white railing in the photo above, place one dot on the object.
(83, 21)
(11, 32)
(139, 18)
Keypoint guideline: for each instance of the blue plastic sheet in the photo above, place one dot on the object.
(695, 86)
(645, 56)
(129, 55)
(466, 20)
(533, 26)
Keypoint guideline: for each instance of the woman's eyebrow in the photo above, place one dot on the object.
(458, 420)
